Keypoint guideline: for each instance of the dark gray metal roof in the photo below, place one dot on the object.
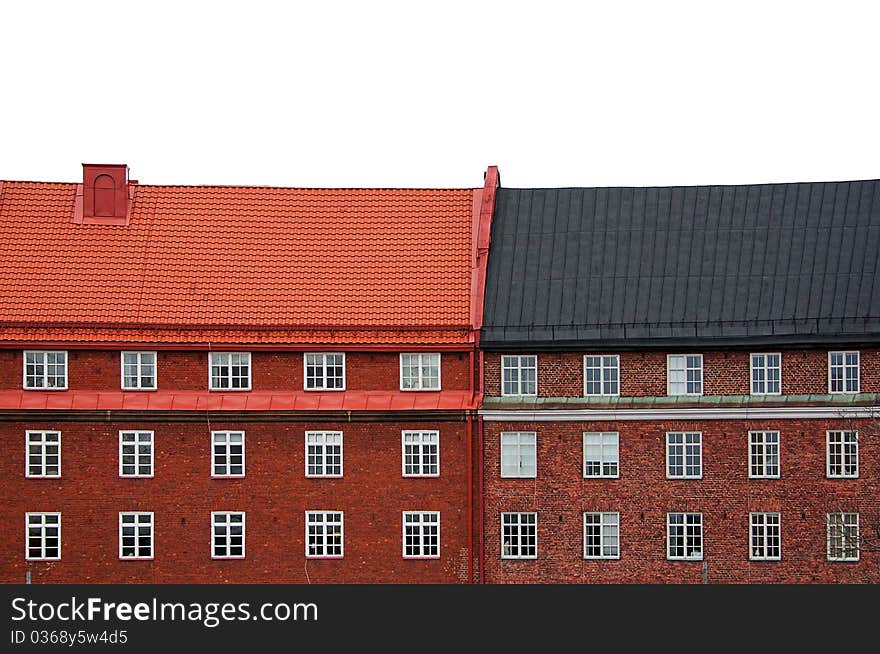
(638, 267)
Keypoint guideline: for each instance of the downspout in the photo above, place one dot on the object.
(481, 530)
(470, 495)
(470, 468)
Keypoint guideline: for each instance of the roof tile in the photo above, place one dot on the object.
(239, 264)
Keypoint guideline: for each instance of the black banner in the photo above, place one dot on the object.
(415, 618)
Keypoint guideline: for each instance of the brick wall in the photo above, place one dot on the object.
(642, 495)
(560, 374)
(275, 494)
(275, 371)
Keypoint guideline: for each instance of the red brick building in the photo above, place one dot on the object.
(682, 385)
(242, 384)
(206, 384)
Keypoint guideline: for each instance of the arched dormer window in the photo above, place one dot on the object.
(105, 196)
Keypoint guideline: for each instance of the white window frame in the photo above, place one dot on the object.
(321, 539)
(420, 379)
(843, 454)
(605, 520)
(514, 364)
(844, 540)
(684, 527)
(762, 523)
(669, 358)
(424, 437)
(43, 526)
(137, 536)
(844, 366)
(763, 443)
(137, 442)
(227, 454)
(229, 376)
(603, 458)
(416, 521)
(139, 364)
(603, 371)
(321, 381)
(42, 443)
(228, 535)
(320, 442)
(684, 454)
(765, 369)
(519, 456)
(519, 535)
(45, 364)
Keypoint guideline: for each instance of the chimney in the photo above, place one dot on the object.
(104, 197)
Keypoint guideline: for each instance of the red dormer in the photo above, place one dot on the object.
(104, 197)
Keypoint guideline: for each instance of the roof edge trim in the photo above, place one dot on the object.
(484, 209)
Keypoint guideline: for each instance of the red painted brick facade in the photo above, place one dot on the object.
(270, 371)
(643, 495)
(275, 494)
(643, 374)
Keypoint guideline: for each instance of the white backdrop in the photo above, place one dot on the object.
(427, 94)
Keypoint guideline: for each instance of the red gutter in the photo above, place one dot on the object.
(237, 346)
(249, 401)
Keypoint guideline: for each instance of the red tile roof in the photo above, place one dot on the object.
(238, 264)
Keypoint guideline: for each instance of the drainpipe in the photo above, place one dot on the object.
(470, 496)
(481, 530)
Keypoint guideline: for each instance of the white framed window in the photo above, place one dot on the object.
(518, 454)
(764, 454)
(323, 371)
(843, 536)
(135, 535)
(43, 454)
(229, 371)
(135, 453)
(421, 453)
(45, 369)
(601, 454)
(684, 455)
(519, 535)
(519, 375)
(601, 374)
(324, 534)
(227, 534)
(420, 372)
(684, 536)
(765, 537)
(227, 454)
(601, 535)
(842, 458)
(421, 534)
(843, 372)
(42, 532)
(684, 374)
(766, 374)
(323, 454)
(138, 371)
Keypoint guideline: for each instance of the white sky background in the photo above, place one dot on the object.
(412, 94)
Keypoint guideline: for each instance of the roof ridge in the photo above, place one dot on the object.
(677, 186)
